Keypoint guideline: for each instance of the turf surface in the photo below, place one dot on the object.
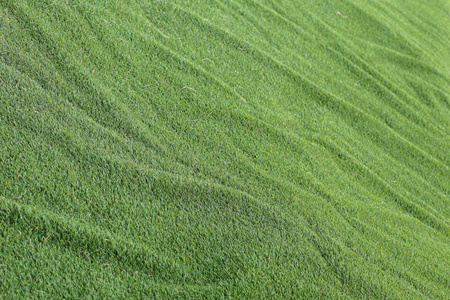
(225, 149)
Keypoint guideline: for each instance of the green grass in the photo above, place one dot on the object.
(225, 149)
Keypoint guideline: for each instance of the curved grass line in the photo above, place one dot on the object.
(408, 113)
(77, 236)
(340, 152)
(324, 96)
(406, 56)
(412, 44)
(403, 274)
(360, 65)
(98, 125)
(81, 80)
(262, 55)
(317, 237)
(200, 69)
(410, 207)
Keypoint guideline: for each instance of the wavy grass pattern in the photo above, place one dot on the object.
(224, 149)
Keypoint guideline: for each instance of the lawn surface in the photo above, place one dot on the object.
(225, 149)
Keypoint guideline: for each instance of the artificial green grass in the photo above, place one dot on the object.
(224, 149)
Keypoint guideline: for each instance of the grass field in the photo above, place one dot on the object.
(257, 149)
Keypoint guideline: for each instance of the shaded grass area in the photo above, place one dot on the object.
(224, 149)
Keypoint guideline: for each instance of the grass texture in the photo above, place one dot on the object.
(257, 149)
